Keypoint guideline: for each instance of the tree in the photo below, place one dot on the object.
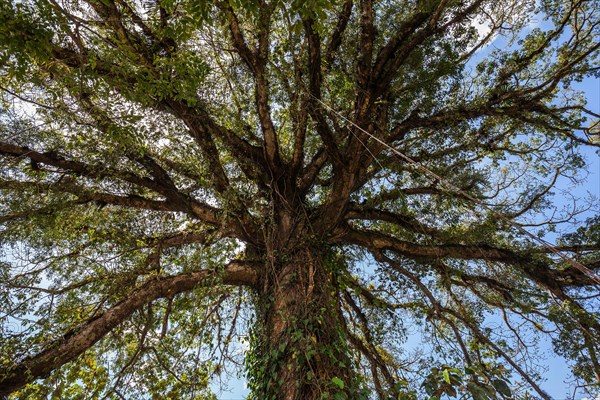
(313, 180)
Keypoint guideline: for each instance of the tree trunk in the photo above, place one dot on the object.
(298, 346)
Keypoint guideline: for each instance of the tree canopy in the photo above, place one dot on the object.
(295, 191)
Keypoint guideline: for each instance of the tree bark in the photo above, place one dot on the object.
(299, 348)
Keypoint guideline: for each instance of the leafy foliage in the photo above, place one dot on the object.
(295, 190)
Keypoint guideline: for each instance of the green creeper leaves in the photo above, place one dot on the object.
(338, 382)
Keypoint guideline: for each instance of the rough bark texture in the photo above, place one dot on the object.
(299, 349)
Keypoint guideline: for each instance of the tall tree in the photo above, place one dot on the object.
(293, 188)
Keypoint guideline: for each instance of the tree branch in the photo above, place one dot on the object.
(554, 280)
(74, 343)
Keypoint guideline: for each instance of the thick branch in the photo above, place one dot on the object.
(314, 103)
(256, 60)
(75, 343)
(77, 167)
(554, 280)
(336, 37)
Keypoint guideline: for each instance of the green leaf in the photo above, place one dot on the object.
(337, 382)
(428, 386)
(477, 391)
(502, 387)
(340, 396)
(446, 375)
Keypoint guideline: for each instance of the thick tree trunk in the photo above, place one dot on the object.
(298, 346)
